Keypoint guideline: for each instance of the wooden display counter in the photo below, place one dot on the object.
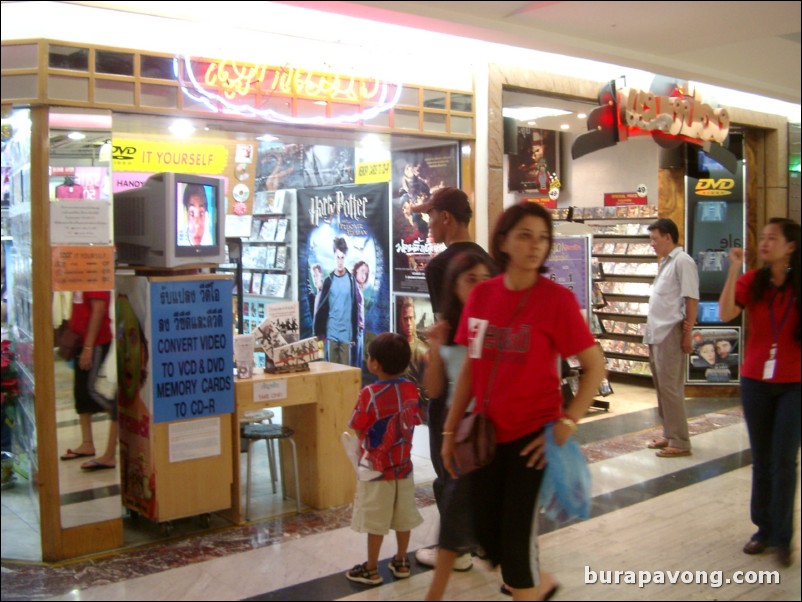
(317, 405)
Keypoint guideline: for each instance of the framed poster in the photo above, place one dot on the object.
(716, 356)
(537, 162)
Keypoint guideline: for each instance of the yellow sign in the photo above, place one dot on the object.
(714, 187)
(78, 268)
(154, 157)
(371, 173)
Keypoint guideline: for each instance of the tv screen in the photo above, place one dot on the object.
(196, 215)
(708, 312)
(173, 220)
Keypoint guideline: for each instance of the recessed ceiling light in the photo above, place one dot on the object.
(181, 127)
(565, 126)
(76, 135)
(527, 113)
(581, 115)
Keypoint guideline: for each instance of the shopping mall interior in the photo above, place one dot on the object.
(659, 528)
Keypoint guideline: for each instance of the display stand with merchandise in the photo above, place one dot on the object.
(624, 268)
(176, 395)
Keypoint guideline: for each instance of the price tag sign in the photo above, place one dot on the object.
(372, 173)
(271, 390)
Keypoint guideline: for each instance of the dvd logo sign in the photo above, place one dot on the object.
(123, 153)
(711, 187)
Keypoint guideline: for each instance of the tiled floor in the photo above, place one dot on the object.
(681, 518)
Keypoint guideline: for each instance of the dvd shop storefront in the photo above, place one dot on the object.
(292, 154)
(609, 160)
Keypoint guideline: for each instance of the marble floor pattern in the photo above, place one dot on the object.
(649, 514)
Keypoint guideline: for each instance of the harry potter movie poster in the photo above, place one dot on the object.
(416, 176)
(343, 266)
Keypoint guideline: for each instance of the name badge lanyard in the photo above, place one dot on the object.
(770, 365)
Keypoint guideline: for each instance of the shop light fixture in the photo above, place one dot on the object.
(530, 113)
(76, 135)
(181, 128)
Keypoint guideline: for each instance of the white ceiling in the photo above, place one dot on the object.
(748, 46)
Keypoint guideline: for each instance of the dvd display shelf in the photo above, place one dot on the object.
(267, 262)
(624, 267)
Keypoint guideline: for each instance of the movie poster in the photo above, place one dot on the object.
(416, 175)
(349, 221)
(535, 168)
(716, 356)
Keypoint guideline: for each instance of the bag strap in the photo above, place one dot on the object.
(492, 378)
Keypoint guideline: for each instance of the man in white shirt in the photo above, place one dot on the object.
(672, 314)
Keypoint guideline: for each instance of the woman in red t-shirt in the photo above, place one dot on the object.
(515, 326)
(90, 319)
(770, 378)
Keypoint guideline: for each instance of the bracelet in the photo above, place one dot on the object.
(88, 347)
(445, 433)
(569, 422)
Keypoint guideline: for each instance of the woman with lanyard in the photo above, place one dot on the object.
(770, 379)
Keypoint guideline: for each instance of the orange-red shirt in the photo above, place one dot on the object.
(776, 303)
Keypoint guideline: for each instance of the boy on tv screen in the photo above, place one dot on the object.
(196, 217)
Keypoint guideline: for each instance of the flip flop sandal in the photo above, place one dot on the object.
(74, 455)
(92, 465)
(672, 452)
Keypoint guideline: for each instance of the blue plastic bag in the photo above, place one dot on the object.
(565, 490)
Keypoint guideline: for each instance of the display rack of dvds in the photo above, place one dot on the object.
(624, 266)
(266, 256)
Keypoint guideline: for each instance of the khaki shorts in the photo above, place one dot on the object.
(383, 505)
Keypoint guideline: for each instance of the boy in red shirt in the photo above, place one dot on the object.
(384, 419)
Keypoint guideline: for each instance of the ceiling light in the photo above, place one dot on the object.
(181, 128)
(528, 113)
(565, 126)
(76, 135)
(581, 115)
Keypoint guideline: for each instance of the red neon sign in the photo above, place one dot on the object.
(231, 85)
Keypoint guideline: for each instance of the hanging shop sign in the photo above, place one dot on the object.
(646, 112)
(666, 112)
(251, 90)
(130, 155)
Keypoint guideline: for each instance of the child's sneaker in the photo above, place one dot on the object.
(399, 567)
(361, 574)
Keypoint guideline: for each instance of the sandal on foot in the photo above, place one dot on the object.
(361, 574)
(672, 452)
(399, 567)
(93, 465)
(658, 444)
(71, 454)
(547, 596)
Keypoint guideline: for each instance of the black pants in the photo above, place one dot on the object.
(504, 496)
(453, 496)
